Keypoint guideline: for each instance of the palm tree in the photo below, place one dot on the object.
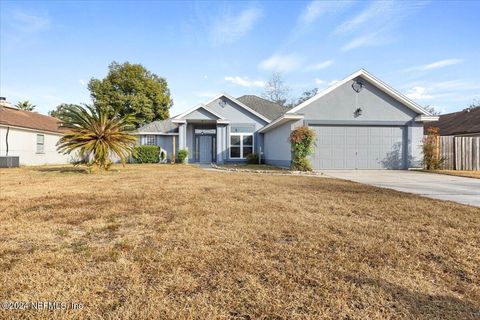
(96, 134)
(25, 105)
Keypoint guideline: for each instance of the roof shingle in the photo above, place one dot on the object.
(28, 119)
(462, 122)
(268, 109)
(163, 126)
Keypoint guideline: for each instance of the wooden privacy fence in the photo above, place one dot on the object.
(459, 153)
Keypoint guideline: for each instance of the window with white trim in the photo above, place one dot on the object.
(40, 143)
(149, 140)
(241, 141)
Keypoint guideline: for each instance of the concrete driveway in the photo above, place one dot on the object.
(437, 186)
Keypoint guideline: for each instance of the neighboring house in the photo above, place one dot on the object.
(360, 122)
(29, 135)
(463, 123)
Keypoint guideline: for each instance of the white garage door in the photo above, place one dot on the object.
(359, 147)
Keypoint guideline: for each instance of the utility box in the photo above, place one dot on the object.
(9, 162)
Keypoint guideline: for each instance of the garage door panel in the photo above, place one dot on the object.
(359, 147)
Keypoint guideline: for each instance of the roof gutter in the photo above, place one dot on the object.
(283, 119)
(426, 118)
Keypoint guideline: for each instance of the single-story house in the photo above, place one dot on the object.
(29, 135)
(464, 123)
(360, 123)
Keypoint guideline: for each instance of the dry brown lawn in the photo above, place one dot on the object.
(159, 242)
(460, 173)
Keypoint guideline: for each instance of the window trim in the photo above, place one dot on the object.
(241, 135)
(40, 144)
(149, 136)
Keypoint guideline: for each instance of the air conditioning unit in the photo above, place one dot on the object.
(9, 161)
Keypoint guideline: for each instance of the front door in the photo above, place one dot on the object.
(205, 149)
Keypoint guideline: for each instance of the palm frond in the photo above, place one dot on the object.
(93, 132)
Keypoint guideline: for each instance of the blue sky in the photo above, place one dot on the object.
(427, 50)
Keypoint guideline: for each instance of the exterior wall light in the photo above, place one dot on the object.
(358, 112)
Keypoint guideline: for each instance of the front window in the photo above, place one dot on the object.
(241, 142)
(149, 140)
(40, 143)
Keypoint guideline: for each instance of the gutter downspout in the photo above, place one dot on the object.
(6, 141)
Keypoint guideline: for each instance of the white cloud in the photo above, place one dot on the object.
(372, 39)
(435, 65)
(320, 66)
(319, 82)
(281, 63)
(377, 10)
(205, 77)
(317, 8)
(245, 82)
(331, 83)
(82, 82)
(376, 23)
(30, 23)
(419, 93)
(451, 90)
(229, 28)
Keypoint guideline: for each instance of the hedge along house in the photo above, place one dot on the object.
(360, 123)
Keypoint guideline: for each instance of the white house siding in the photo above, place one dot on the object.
(23, 143)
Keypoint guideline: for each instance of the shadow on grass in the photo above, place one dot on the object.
(420, 305)
(63, 169)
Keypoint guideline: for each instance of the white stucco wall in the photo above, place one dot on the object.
(23, 143)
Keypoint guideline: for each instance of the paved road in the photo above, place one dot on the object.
(437, 186)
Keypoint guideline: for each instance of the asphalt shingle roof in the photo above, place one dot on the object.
(462, 122)
(164, 126)
(27, 119)
(268, 109)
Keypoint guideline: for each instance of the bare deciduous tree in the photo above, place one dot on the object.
(276, 90)
(432, 110)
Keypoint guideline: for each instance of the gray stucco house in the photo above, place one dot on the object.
(360, 123)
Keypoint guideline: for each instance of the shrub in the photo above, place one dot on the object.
(182, 155)
(146, 154)
(252, 158)
(302, 141)
(301, 164)
(430, 148)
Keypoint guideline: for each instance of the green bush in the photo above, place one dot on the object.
(182, 155)
(252, 158)
(146, 154)
(302, 140)
(301, 164)
(431, 150)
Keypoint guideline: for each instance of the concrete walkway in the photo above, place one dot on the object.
(437, 186)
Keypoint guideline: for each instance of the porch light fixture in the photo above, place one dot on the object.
(357, 112)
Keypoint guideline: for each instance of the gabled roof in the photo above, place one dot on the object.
(160, 126)
(229, 97)
(267, 108)
(377, 83)
(462, 122)
(200, 106)
(14, 117)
